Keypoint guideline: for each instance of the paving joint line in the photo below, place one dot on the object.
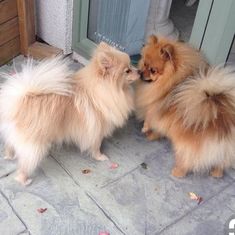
(66, 171)
(14, 211)
(105, 213)
(194, 209)
(120, 177)
(7, 174)
(23, 232)
(93, 200)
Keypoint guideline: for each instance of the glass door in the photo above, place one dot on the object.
(122, 23)
(117, 22)
(231, 55)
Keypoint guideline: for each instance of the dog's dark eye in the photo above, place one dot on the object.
(128, 71)
(153, 71)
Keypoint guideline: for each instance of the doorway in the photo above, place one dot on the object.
(207, 25)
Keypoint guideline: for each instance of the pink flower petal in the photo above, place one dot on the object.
(104, 233)
(114, 165)
(41, 210)
(195, 197)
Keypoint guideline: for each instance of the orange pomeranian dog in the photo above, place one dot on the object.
(45, 104)
(179, 96)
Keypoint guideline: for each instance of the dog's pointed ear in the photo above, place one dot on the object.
(105, 60)
(167, 52)
(152, 39)
(104, 46)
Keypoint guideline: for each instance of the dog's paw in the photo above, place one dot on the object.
(23, 180)
(178, 172)
(217, 173)
(101, 157)
(10, 157)
(152, 136)
(145, 129)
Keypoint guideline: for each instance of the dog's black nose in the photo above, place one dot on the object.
(141, 74)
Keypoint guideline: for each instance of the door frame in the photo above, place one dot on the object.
(212, 33)
(80, 43)
(200, 22)
(213, 30)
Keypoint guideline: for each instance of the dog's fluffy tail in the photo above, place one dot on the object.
(50, 76)
(208, 100)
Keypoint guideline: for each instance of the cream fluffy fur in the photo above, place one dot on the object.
(46, 104)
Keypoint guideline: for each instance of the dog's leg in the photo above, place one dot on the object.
(96, 154)
(9, 152)
(22, 178)
(147, 130)
(145, 127)
(150, 134)
(29, 157)
(179, 170)
(217, 172)
(153, 135)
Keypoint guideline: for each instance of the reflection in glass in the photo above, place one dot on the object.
(121, 23)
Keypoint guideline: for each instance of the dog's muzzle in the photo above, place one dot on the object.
(143, 78)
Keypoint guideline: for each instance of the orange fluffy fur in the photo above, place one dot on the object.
(184, 99)
(45, 104)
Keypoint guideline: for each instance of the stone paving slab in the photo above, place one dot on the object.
(9, 222)
(126, 148)
(131, 199)
(6, 166)
(210, 218)
(231, 172)
(69, 209)
(151, 200)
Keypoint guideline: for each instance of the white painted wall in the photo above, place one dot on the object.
(54, 22)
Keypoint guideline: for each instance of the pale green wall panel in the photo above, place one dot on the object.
(200, 22)
(80, 20)
(219, 32)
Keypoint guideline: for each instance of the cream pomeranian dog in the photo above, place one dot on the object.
(192, 104)
(45, 104)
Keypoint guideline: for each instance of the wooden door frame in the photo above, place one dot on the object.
(28, 44)
(26, 24)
